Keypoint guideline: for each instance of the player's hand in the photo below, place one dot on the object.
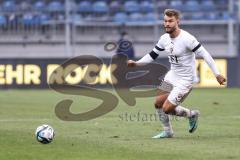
(131, 63)
(221, 80)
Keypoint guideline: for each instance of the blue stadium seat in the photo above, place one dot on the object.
(225, 15)
(85, 7)
(135, 17)
(120, 17)
(115, 6)
(76, 17)
(177, 4)
(149, 17)
(197, 16)
(39, 6)
(162, 4)
(146, 6)
(100, 7)
(222, 4)
(192, 6)
(208, 5)
(44, 18)
(9, 6)
(28, 19)
(131, 6)
(3, 20)
(41, 19)
(211, 16)
(55, 6)
(25, 6)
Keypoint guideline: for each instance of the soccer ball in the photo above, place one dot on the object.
(44, 134)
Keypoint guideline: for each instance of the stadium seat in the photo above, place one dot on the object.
(115, 6)
(225, 15)
(55, 6)
(84, 7)
(131, 6)
(208, 5)
(192, 6)
(3, 20)
(39, 6)
(162, 4)
(211, 16)
(120, 17)
(76, 17)
(177, 4)
(135, 17)
(146, 6)
(28, 19)
(221, 4)
(41, 19)
(100, 7)
(9, 6)
(149, 17)
(25, 6)
(197, 16)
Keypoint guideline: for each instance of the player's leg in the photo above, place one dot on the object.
(163, 117)
(172, 106)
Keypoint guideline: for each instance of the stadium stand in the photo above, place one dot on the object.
(39, 6)
(3, 20)
(9, 6)
(55, 6)
(32, 22)
(93, 8)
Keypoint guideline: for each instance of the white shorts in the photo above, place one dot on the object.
(181, 88)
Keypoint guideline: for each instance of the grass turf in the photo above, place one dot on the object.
(124, 133)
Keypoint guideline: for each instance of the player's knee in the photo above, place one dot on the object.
(166, 109)
(160, 100)
(158, 104)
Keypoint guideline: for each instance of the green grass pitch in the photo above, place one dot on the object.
(124, 133)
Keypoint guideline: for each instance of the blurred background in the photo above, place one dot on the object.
(36, 35)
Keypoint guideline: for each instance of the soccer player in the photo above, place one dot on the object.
(181, 48)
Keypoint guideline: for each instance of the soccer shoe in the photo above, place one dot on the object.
(193, 121)
(163, 134)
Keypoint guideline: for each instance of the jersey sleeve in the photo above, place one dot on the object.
(208, 59)
(192, 43)
(148, 58)
(159, 46)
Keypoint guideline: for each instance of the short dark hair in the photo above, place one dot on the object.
(172, 12)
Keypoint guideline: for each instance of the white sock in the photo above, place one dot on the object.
(182, 111)
(164, 118)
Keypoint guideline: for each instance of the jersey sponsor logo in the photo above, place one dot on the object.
(173, 59)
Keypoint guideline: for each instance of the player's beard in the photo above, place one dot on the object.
(171, 30)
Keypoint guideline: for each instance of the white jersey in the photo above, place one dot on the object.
(180, 51)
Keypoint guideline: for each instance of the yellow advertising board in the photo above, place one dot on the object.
(37, 73)
(205, 75)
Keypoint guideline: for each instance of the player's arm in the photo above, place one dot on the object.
(148, 58)
(201, 51)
